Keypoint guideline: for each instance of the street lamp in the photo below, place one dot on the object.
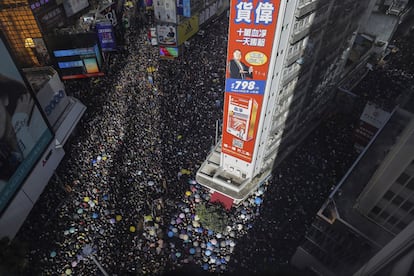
(88, 251)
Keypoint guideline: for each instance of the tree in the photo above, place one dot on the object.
(213, 217)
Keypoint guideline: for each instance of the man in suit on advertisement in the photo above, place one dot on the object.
(239, 70)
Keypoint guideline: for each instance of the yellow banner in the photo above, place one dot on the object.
(187, 29)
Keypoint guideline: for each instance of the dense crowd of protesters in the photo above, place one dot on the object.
(125, 193)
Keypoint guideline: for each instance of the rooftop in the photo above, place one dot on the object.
(360, 175)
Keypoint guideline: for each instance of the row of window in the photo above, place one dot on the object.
(19, 24)
(395, 210)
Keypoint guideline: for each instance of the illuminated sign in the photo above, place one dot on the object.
(73, 60)
(252, 26)
(168, 52)
(106, 36)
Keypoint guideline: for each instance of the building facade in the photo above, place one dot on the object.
(311, 45)
(366, 225)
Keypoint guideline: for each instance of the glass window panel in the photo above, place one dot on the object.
(403, 178)
(388, 195)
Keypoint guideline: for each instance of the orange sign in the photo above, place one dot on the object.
(251, 34)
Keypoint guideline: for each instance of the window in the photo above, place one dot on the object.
(401, 225)
(376, 210)
(403, 178)
(384, 215)
(407, 205)
(397, 200)
(388, 195)
(410, 184)
(392, 220)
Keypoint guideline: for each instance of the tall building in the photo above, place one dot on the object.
(366, 227)
(32, 135)
(293, 56)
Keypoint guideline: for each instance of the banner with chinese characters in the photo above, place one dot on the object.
(252, 26)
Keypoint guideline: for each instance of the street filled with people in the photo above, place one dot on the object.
(123, 200)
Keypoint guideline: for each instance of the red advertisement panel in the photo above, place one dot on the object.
(252, 26)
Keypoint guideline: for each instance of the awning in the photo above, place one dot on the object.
(227, 201)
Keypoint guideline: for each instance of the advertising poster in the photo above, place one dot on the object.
(110, 14)
(165, 10)
(49, 16)
(106, 36)
(184, 8)
(24, 134)
(252, 26)
(167, 35)
(53, 100)
(187, 29)
(168, 52)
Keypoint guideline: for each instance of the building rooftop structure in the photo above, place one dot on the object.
(363, 171)
(347, 232)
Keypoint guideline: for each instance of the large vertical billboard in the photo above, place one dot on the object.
(24, 134)
(252, 26)
(187, 29)
(106, 36)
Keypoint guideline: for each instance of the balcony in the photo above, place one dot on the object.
(306, 8)
(293, 57)
(300, 34)
(288, 77)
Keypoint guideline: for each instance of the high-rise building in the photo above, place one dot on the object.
(366, 227)
(292, 56)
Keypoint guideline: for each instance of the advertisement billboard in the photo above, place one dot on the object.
(187, 29)
(53, 100)
(167, 35)
(165, 10)
(76, 56)
(371, 120)
(110, 14)
(49, 14)
(184, 8)
(168, 52)
(252, 26)
(24, 134)
(106, 36)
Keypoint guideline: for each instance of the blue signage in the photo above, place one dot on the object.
(184, 8)
(106, 36)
